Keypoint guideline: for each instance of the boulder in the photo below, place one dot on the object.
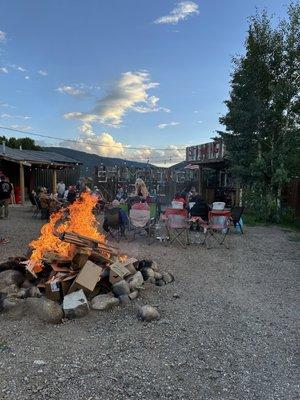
(26, 284)
(133, 295)
(11, 277)
(147, 273)
(167, 277)
(148, 313)
(121, 288)
(9, 290)
(15, 306)
(157, 275)
(47, 310)
(154, 266)
(151, 280)
(104, 302)
(124, 299)
(75, 305)
(136, 281)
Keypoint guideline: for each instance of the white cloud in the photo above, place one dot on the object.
(43, 72)
(9, 116)
(17, 67)
(129, 93)
(102, 144)
(71, 90)
(21, 127)
(182, 11)
(163, 126)
(200, 122)
(105, 144)
(4, 70)
(2, 37)
(27, 77)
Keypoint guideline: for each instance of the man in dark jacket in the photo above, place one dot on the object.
(5, 194)
(200, 208)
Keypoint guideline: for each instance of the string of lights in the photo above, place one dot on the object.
(127, 147)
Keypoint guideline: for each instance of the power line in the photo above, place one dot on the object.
(89, 142)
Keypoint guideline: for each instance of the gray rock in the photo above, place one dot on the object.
(176, 296)
(121, 288)
(167, 277)
(26, 284)
(151, 280)
(20, 294)
(47, 310)
(11, 277)
(11, 289)
(13, 305)
(75, 305)
(148, 313)
(147, 273)
(124, 299)
(104, 302)
(33, 292)
(160, 282)
(157, 275)
(136, 281)
(154, 266)
(133, 295)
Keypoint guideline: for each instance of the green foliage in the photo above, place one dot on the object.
(262, 134)
(25, 143)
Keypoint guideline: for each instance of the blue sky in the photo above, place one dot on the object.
(118, 73)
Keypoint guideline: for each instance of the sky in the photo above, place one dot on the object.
(137, 79)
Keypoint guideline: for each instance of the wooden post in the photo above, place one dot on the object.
(54, 181)
(22, 184)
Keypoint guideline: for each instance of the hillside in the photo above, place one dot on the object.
(89, 161)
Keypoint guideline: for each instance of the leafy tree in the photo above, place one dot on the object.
(263, 119)
(25, 143)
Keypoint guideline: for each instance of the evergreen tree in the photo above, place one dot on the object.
(263, 119)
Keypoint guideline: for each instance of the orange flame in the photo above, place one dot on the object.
(80, 220)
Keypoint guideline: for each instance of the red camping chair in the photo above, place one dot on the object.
(218, 227)
(177, 226)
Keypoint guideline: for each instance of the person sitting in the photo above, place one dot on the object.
(141, 189)
(71, 196)
(199, 208)
(54, 203)
(179, 199)
(43, 200)
(123, 219)
(32, 197)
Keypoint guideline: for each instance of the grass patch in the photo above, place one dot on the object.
(250, 219)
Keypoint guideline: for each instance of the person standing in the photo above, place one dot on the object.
(61, 188)
(5, 194)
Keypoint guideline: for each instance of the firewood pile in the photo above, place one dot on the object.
(96, 277)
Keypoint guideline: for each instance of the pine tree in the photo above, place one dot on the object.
(263, 119)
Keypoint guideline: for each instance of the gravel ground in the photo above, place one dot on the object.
(232, 333)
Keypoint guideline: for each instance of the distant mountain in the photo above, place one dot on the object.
(90, 161)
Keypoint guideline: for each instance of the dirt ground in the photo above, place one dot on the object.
(231, 334)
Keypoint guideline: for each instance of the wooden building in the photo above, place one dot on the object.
(30, 169)
(214, 181)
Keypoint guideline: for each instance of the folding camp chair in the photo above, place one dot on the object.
(177, 226)
(112, 223)
(140, 221)
(218, 227)
(36, 208)
(236, 214)
(218, 205)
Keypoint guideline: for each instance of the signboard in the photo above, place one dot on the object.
(205, 152)
(102, 177)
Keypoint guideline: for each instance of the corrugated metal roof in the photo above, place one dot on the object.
(35, 157)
